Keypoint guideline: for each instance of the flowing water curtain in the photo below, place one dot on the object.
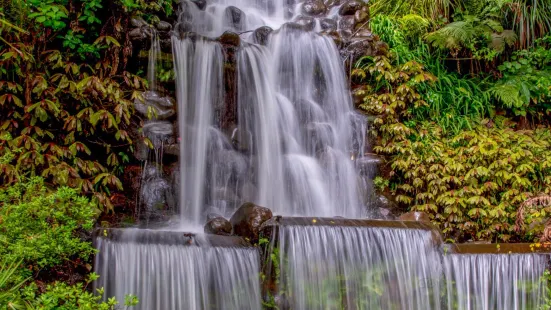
(305, 130)
(359, 268)
(495, 281)
(170, 276)
(199, 88)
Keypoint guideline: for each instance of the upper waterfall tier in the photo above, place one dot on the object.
(295, 138)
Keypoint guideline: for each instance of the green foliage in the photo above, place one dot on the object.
(430, 9)
(10, 284)
(43, 227)
(58, 108)
(380, 183)
(481, 36)
(531, 19)
(62, 296)
(525, 85)
(472, 184)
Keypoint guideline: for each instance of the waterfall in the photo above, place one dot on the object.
(495, 281)
(154, 53)
(199, 79)
(360, 267)
(166, 273)
(298, 132)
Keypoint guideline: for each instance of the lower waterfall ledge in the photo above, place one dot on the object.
(167, 237)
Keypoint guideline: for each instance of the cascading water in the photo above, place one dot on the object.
(366, 264)
(495, 281)
(297, 146)
(167, 273)
(359, 268)
(295, 116)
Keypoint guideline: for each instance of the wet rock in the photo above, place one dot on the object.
(201, 4)
(368, 165)
(361, 17)
(164, 26)
(331, 3)
(262, 34)
(172, 149)
(230, 38)
(158, 132)
(366, 34)
(183, 27)
(235, 17)
(154, 106)
(138, 22)
(345, 33)
(336, 36)
(246, 221)
(218, 226)
(328, 24)
(212, 216)
(359, 47)
(137, 34)
(306, 23)
(155, 194)
(313, 8)
(350, 7)
(347, 23)
(415, 216)
(282, 302)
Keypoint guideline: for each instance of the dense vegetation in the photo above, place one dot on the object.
(65, 116)
(463, 109)
(462, 104)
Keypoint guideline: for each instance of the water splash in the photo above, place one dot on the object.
(167, 274)
(495, 281)
(359, 268)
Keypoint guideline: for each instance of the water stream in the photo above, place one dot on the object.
(295, 145)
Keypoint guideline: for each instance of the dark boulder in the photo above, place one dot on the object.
(218, 226)
(138, 22)
(262, 34)
(230, 39)
(306, 23)
(313, 8)
(137, 34)
(347, 23)
(331, 3)
(350, 7)
(246, 221)
(328, 24)
(164, 26)
(155, 106)
(201, 4)
(361, 17)
(235, 17)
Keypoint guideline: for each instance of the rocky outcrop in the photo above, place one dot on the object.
(247, 220)
(218, 226)
(154, 106)
(314, 8)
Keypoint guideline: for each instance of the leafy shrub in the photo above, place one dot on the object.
(58, 107)
(61, 296)
(43, 228)
(525, 85)
(472, 184)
